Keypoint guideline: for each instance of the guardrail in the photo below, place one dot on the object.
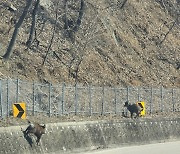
(65, 99)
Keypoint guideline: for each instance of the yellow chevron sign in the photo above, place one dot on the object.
(142, 104)
(19, 110)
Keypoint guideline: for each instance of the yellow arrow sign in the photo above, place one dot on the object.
(142, 104)
(19, 110)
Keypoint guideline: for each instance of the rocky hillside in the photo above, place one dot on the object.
(104, 42)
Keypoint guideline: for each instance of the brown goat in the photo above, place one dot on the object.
(36, 129)
(134, 108)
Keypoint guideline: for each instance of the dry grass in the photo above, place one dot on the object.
(6, 122)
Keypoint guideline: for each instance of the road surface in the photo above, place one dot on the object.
(158, 148)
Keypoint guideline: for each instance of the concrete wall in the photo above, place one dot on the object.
(68, 137)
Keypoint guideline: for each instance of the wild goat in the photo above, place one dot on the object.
(134, 108)
(36, 129)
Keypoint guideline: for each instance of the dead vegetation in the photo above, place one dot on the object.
(117, 42)
(40, 118)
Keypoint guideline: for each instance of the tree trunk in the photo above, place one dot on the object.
(17, 26)
(29, 41)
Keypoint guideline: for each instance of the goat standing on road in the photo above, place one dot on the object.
(134, 108)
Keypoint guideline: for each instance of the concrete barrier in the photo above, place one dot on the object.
(81, 136)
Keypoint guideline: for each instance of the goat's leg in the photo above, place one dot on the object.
(131, 115)
(137, 115)
(38, 139)
(28, 129)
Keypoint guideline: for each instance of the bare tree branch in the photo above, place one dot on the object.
(52, 38)
(169, 30)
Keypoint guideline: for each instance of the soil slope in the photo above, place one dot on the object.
(104, 42)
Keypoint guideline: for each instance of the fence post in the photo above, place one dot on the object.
(125, 109)
(1, 108)
(151, 100)
(49, 99)
(173, 102)
(115, 100)
(17, 91)
(76, 100)
(102, 107)
(90, 101)
(62, 98)
(161, 98)
(127, 93)
(33, 109)
(7, 97)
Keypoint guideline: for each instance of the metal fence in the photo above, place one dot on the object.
(79, 100)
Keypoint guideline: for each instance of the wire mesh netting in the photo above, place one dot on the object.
(83, 100)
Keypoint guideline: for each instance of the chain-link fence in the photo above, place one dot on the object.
(83, 100)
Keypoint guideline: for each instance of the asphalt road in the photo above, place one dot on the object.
(158, 148)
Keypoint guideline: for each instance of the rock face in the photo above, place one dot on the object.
(126, 43)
